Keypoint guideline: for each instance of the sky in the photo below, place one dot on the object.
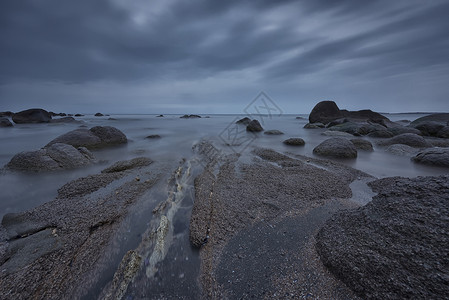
(173, 56)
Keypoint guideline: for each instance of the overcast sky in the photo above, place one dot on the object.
(173, 56)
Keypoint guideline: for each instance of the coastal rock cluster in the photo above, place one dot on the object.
(34, 116)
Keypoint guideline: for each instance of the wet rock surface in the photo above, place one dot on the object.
(59, 249)
(401, 150)
(396, 246)
(294, 142)
(362, 144)
(5, 122)
(273, 132)
(244, 121)
(409, 139)
(256, 239)
(336, 147)
(254, 126)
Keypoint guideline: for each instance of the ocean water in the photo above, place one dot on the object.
(24, 191)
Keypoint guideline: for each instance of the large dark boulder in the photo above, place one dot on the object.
(6, 113)
(5, 122)
(328, 111)
(254, 126)
(362, 144)
(442, 118)
(395, 247)
(34, 115)
(94, 138)
(244, 121)
(429, 128)
(294, 142)
(410, 139)
(325, 112)
(336, 147)
(444, 132)
(99, 115)
(433, 156)
(55, 157)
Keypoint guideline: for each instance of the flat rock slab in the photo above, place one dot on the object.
(396, 246)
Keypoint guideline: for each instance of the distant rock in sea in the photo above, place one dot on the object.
(190, 117)
(273, 132)
(34, 115)
(244, 121)
(99, 115)
(160, 116)
(94, 138)
(153, 136)
(254, 126)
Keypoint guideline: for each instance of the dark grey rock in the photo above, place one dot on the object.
(153, 136)
(444, 132)
(6, 114)
(58, 156)
(314, 125)
(433, 156)
(254, 126)
(294, 142)
(273, 132)
(429, 128)
(336, 147)
(244, 121)
(410, 139)
(440, 118)
(362, 144)
(396, 246)
(380, 134)
(5, 122)
(404, 129)
(160, 116)
(337, 133)
(190, 117)
(64, 120)
(34, 115)
(79, 115)
(98, 115)
(94, 138)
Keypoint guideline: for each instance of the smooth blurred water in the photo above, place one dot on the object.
(24, 191)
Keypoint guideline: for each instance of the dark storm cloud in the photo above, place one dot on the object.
(274, 44)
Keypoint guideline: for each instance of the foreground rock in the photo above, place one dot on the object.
(362, 144)
(53, 158)
(409, 139)
(60, 250)
(34, 115)
(5, 122)
(95, 138)
(336, 147)
(255, 223)
(294, 142)
(401, 150)
(391, 248)
(254, 126)
(244, 121)
(434, 156)
(328, 111)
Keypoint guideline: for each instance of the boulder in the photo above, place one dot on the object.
(404, 129)
(396, 246)
(336, 147)
(160, 116)
(254, 126)
(429, 128)
(34, 115)
(433, 156)
(314, 125)
(325, 112)
(273, 132)
(444, 132)
(442, 118)
(410, 139)
(5, 122)
(98, 115)
(94, 138)
(380, 134)
(58, 156)
(128, 164)
(244, 121)
(294, 142)
(64, 120)
(362, 144)
(79, 115)
(401, 150)
(190, 117)
(6, 113)
(328, 111)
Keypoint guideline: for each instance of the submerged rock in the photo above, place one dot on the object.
(294, 142)
(64, 120)
(402, 150)
(58, 156)
(337, 133)
(273, 132)
(336, 147)
(94, 138)
(99, 115)
(128, 164)
(314, 125)
(254, 126)
(190, 117)
(396, 246)
(433, 156)
(153, 136)
(34, 115)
